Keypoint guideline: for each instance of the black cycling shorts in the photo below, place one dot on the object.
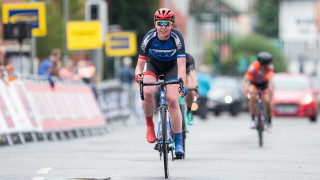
(261, 86)
(155, 67)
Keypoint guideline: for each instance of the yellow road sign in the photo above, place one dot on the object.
(84, 35)
(33, 13)
(121, 44)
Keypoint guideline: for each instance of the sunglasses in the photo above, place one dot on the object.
(163, 23)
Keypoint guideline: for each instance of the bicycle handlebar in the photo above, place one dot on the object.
(193, 89)
(141, 83)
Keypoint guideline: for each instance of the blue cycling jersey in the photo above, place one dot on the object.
(168, 50)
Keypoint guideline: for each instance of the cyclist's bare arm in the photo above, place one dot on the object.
(245, 82)
(270, 83)
(139, 67)
(182, 68)
(193, 78)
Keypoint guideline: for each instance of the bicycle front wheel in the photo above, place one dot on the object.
(164, 138)
(260, 127)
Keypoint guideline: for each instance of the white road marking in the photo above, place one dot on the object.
(38, 178)
(44, 170)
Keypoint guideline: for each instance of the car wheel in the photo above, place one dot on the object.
(313, 118)
(216, 112)
(235, 109)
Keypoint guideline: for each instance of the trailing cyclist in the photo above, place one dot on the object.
(162, 51)
(259, 76)
(191, 82)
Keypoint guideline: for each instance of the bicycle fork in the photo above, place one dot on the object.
(169, 139)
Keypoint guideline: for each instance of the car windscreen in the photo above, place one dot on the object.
(291, 83)
(224, 84)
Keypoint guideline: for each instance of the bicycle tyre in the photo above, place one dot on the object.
(260, 125)
(164, 145)
(184, 131)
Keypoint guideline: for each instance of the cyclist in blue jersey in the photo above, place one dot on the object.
(162, 51)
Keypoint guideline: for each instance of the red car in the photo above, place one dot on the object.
(294, 96)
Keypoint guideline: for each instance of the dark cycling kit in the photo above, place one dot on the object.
(189, 63)
(161, 56)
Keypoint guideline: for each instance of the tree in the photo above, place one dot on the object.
(268, 19)
(134, 16)
(55, 24)
(247, 47)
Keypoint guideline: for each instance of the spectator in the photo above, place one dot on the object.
(204, 81)
(6, 68)
(49, 67)
(2, 68)
(127, 72)
(86, 71)
(67, 72)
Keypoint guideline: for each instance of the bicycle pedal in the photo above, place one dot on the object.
(179, 157)
(156, 147)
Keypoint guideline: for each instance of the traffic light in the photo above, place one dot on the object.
(94, 12)
(97, 10)
(17, 31)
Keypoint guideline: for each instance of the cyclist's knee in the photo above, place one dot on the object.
(148, 94)
(253, 98)
(172, 102)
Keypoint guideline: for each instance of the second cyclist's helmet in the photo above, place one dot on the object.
(164, 14)
(264, 58)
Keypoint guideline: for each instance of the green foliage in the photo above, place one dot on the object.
(268, 17)
(209, 58)
(134, 16)
(55, 25)
(247, 47)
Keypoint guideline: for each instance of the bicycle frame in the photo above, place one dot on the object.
(164, 135)
(261, 116)
(164, 107)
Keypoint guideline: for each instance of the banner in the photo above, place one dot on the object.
(33, 13)
(84, 35)
(114, 102)
(121, 44)
(35, 106)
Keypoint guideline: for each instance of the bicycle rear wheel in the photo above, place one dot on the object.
(164, 138)
(184, 129)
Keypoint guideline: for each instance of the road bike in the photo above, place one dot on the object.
(185, 128)
(165, 141)
(260, 116)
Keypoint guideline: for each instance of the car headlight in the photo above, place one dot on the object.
(228, 99)
(307, 99)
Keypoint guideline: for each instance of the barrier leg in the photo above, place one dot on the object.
(53, 136)
(21, 138)
(34, 137)
(62, 136)
(78, 133)
(70, 134)
(44, 135)
(90, 132)
(9, 140)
